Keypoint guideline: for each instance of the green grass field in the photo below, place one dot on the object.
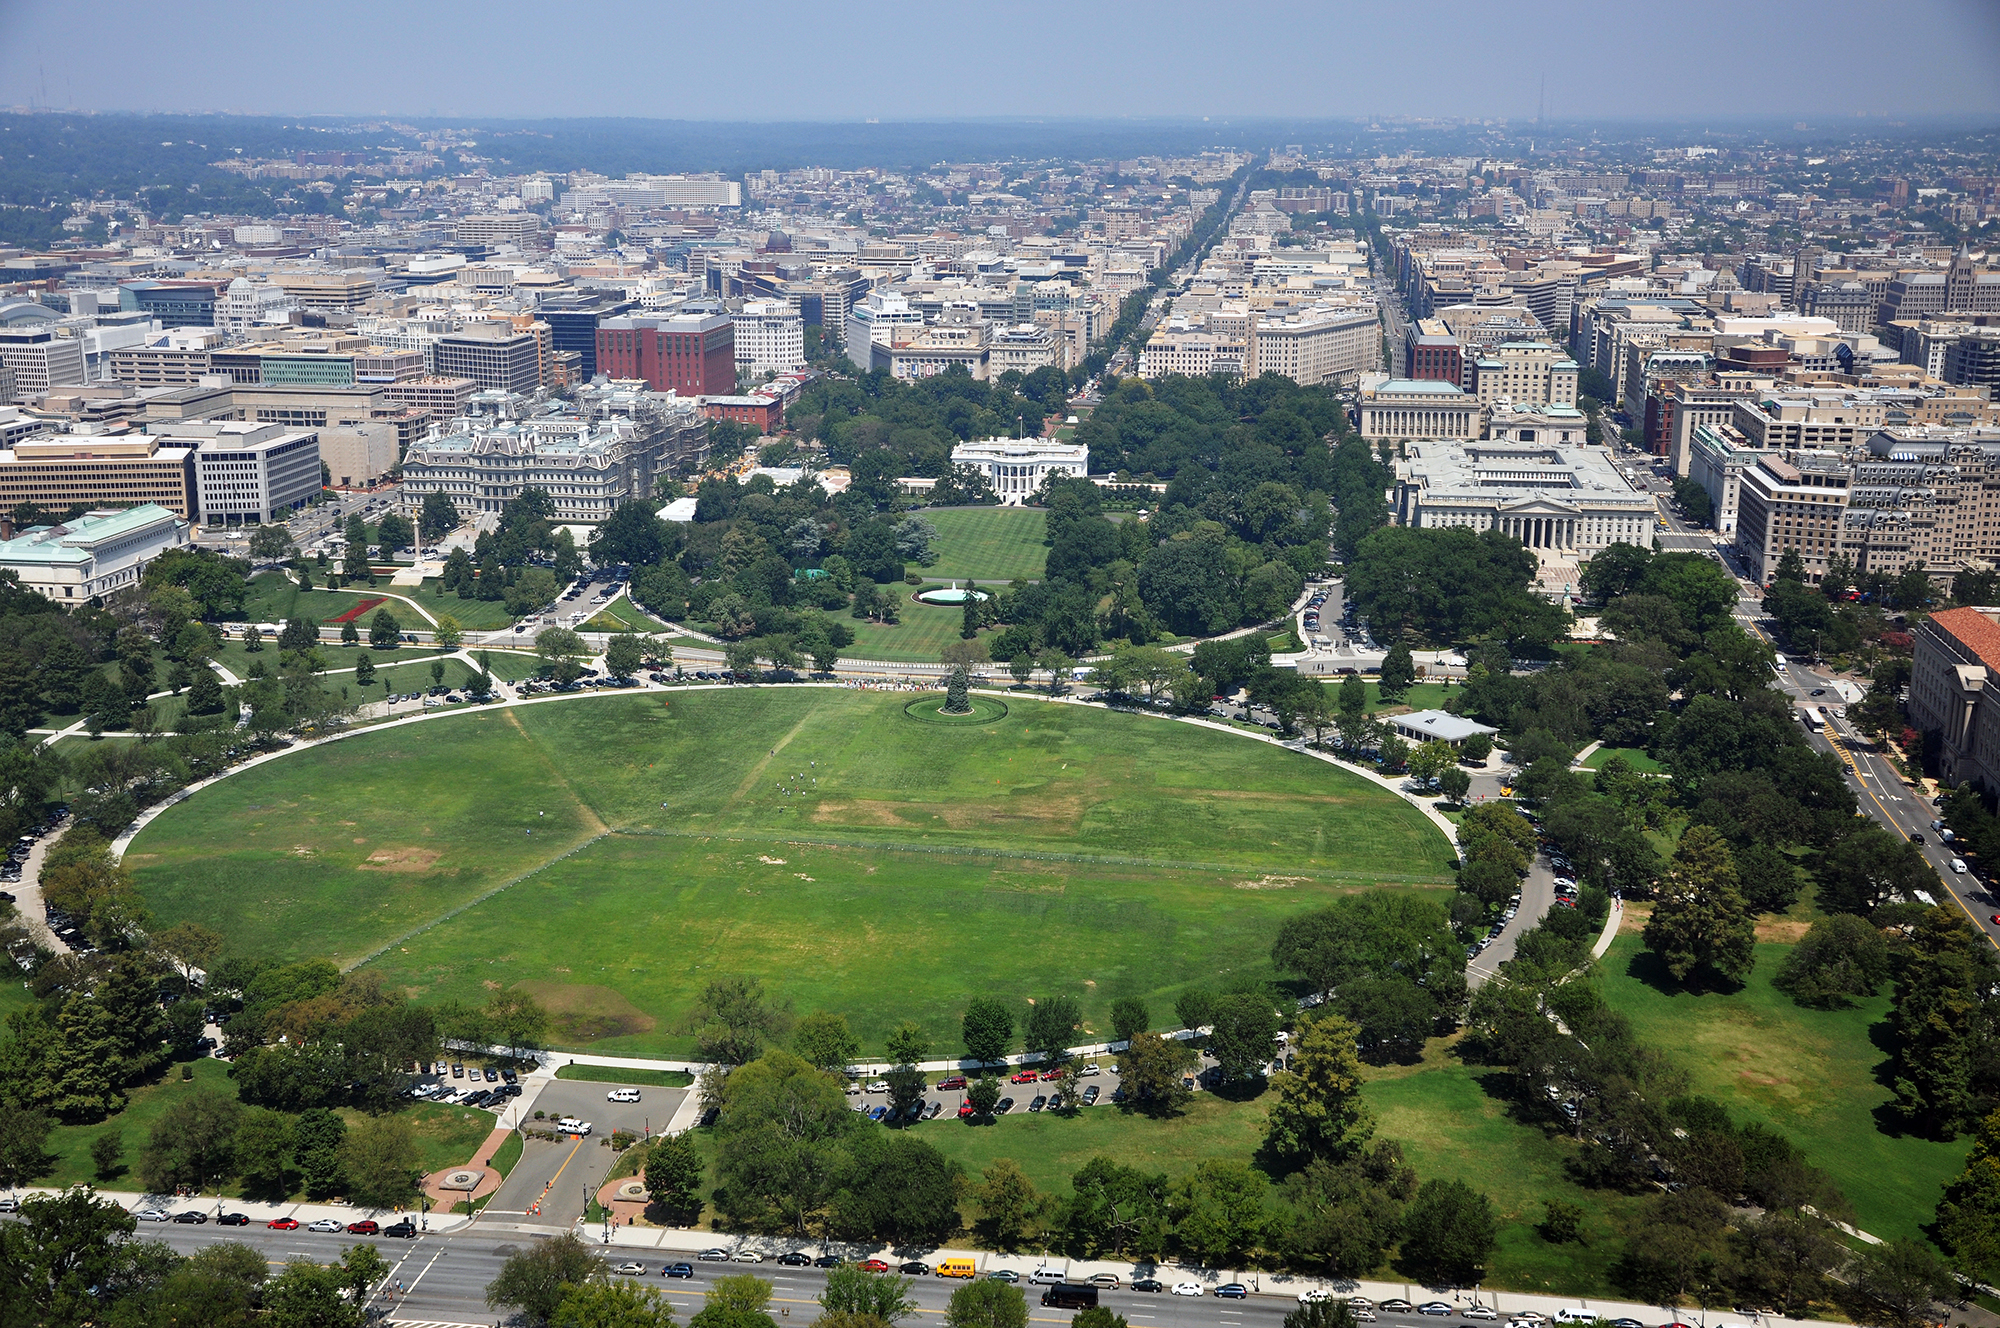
(989, 543)
(510, 666)
(1808, 1073)
(923, 631)
(927, 864)
(479, 615)
(1635, 756)
(611, 1074)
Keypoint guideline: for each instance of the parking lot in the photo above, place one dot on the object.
(563, 1175)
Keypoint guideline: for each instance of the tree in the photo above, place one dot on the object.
(984, 1095)
(1052, 1021)
(438, 516)
(824, 1041)
(908, 1044)
(384, 632)
(317, 1136)
(733, 1021)
(204, 695)
(561, 650)
(263, 1146)
(1968, 1217)
(1008, 1204)
(881, 1296)
(1218, 1211)
(1901, 1279)
(1022, 667)
(987, 1304)
(363, 1267)
(192, 1145)
(437, 673)
(956, 701)
(1151, 1070)
(1398, 673)
(1058, 665)
(1129, 1018)
(354, 564)
(1867, 868)
(1939, 1022)
(1455, 783)
(190, 946)
(988, 1028)
(1475, 749)
(24, 1154)
(1839, 958)
(381, 1160)
(253, 639)
(517, 1020)
(364, 672)
(1701, 920)
(309, 1295)
(623, 655)
(1449, 1232)
(271, 543)
(736, 1302)
(741, 657)
(538, 1278)
(1244, 1027)
(1321, 1314)
(1319, 1112)
(107, 1155)
(394, 531)
(620, 1304)
(674, 1171)
(632, 534)
(448, 632)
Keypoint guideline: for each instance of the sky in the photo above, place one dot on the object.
(941, 60)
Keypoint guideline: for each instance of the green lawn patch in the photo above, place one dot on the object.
(446, 1136)
(479, 615)
(506, 1155)
(926, 859)
(147, 1103)
(510, 666)
(276, 598)
(1634, 756)
(611, 1074)
(923, 631)
(1419, 696)
(1808, 1073)
(402, 679)
(989, 543)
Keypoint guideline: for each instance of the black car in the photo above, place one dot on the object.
(403, 1230)
(508, 1075)
(793, 1259)
(232, 1220)
(191, 1216)
(915, 1269)
(1153, 1284)
(678, 1270)
(827, 1261)
(1003, 1106)
(1626, 1323)
(1039, 1102)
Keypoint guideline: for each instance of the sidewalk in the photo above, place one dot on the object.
(260, 1213)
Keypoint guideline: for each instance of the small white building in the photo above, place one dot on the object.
(1438, 726)
(95, 555)
(1016, 467)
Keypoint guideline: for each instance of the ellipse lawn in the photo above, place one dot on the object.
(852, 858)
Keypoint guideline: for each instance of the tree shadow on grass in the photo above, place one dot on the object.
(1649, 968)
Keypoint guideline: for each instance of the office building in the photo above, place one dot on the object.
(343, 291)
(249, 474)
(484, 464)
(764, 414)
(574, 319)
(39, 359)
(443, 398)
(172, 303)
(1432, 353)
(770, 338)
(247, 306)
(180, 358)
(495, 229)
(358, 454)
(1017, 467)
(58, 471)
(1316, 345)
(1404, 409)
(882, 320)
(1717, 457)
(1567, 503)
(97, 554)
(1955, 693)
(493, 355)
(1527, 373)
(1795, 502)
(692, 354)
(1025, 347)
(1973, 360)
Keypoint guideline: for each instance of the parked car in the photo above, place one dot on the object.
(1232, 1291)
(713, 1256)
(914, 1268)
(1007, 1275)
(678, 1270)
(749, 1256)
(794, 1259)
(158, 1215)
(1435, 1308)
(1106, 1280)
(192, 1217)
(367, 1226)
(233, 1220)
(1150, 1284)
(1314, 1295)
(1039, 1102)
(1187, 1289)
(403, 1230)
(282, 1224)
(1003, 1106)
(327, 1225)
(956, 1081)
(622, 1095)
(1025, 1077)
(874, 1266)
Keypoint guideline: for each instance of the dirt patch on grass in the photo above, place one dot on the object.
(1633, 920)
(400, 860)
(1061, 813)
(1272, 883)
(1784, 931)
(584, 1012)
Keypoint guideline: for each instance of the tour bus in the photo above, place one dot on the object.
(1811, 718)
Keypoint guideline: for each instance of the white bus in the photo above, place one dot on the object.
(1778, 661)
(1811, 718)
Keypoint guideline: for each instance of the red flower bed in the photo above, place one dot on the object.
(359, 609)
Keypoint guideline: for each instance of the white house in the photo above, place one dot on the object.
(1017, 467)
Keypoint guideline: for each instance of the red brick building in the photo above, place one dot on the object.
(692, 354)
(764, 414)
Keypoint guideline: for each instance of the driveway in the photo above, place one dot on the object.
(563, 1175)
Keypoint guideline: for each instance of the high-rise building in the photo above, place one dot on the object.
(498, 228)
(172, 303)
(770, 338)
(252, 473)
(493, 355)
(574, 319)
(39, 359)
(1527, 373)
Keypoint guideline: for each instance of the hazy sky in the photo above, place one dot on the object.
(939, 59)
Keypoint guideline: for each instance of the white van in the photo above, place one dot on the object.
(1575, 1316)
(1958, 865)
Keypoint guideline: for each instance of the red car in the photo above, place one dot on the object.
(365, 1227)
(874, 1266)
(1025, 1077)
(283, 1224)
(964, 1110)
(946, 1085)
(1051, 1074)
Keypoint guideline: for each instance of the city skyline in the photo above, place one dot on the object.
(1560, 63)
